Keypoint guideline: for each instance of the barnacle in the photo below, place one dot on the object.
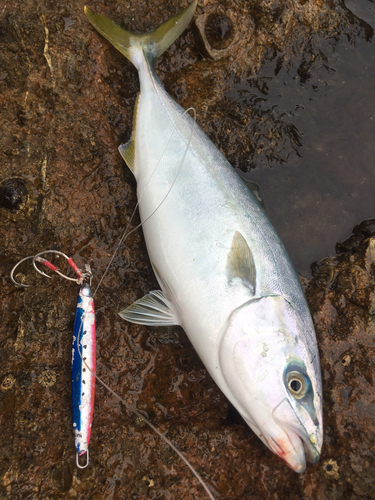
(219, 30)
(13, 194)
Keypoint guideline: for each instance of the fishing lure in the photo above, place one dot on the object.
(83, 351)
(83, 371)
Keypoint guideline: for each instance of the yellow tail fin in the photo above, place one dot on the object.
(151, 44)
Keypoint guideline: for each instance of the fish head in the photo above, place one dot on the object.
(271, 368)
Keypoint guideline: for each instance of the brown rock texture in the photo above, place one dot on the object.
(66, 101)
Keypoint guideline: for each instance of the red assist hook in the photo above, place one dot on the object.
(81, 276)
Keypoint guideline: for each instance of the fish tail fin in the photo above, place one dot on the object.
(151, 45)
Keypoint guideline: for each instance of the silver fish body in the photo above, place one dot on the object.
(225, 276)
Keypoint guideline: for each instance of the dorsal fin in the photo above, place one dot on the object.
(240, 263)
(127, 151)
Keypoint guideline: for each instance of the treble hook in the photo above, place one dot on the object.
(15, 267)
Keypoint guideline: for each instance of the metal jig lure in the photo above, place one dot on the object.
(83, 350)
(83, 371)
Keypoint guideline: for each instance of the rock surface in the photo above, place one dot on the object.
(66, 101)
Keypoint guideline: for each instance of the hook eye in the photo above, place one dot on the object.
(78, 461)
(15, 267)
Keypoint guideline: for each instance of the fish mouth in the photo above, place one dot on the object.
(289, 445)
(290, 448)
(297, 446)
(294, 450)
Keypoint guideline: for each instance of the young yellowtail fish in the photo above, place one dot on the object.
(225, 277)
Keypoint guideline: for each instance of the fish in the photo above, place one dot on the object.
(224, 275)
(83, 372)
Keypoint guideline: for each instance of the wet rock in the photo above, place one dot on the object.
(268, 13)
(362, 231)
(342, 314)
(63, 475)
(67, 102)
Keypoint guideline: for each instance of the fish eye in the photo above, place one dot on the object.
(298, 384)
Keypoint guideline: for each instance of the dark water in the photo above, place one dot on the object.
(316, 199)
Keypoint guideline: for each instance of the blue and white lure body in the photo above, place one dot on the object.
(83, 371)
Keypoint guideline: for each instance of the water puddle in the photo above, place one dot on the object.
(318, 196)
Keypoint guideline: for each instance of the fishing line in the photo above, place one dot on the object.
(124, 235)
(123, 238)
(152, 426)
(82, 276)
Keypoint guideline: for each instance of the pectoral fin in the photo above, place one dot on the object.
(240, 263)
(154, 309)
